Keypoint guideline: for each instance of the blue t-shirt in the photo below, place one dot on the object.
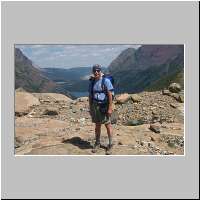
(97, 87)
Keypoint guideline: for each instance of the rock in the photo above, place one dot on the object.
(174, 87)
(136, 98)
(144, 143)
(155, 127)
(114, 117)
(151, 145)
(23, 103)
(82, 99)
(82, 120)
(123, 98)
(152, 139)
(57, 97)
(50, 111)
(180, 99)
(166, 92)
(36, 145)
(171, 143)
(155, 113)
(175, 95)
(120, 143)
(173, 105)
(20, 89)
(134, 122)
(19, 141)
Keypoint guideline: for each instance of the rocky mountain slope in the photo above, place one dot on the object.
(31, 79)
(151, 67)
(147, 123)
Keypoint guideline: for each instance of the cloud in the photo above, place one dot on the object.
(72, 55)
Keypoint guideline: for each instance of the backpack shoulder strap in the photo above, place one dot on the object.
(92, 81)
(103, 86)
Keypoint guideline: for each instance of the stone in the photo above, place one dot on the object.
(23, 103)
(166, 92)
(136, 98)
(19, 141)
(134, 122)
(171, 143)
(114, 117)
(151, 144)
(175, 96)
(155, 127)
(50, 111)
(152, 138)
(144, 143)
(180, 99)
(82, 99)
(173, 105)
(174, 87)
(123, 98)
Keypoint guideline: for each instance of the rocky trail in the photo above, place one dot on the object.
(148, 123)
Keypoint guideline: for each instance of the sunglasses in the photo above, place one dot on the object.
(96, 70)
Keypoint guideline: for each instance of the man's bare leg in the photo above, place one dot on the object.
(110, 136)
(97, 137)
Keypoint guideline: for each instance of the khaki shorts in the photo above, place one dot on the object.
(98, 116)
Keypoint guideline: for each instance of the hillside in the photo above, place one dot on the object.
(150, 67)
(31, 79)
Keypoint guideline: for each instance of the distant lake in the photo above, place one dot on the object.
(79, 94)
(60, 82)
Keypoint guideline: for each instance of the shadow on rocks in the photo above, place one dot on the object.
(77, 141)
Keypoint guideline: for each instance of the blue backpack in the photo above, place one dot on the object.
(103, 86)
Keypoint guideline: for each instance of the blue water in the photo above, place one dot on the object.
(79, 94)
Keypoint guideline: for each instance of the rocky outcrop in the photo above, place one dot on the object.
(123, 98)
(23, 103)
(174, 87)
(59, 126)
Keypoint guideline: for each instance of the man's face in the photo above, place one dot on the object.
(97, 73)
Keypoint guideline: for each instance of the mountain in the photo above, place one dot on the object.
(30, 78)
(150, 67)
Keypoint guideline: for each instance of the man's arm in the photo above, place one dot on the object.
(109, 102)
(90, 102)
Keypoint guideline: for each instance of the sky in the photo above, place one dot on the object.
(69, 56)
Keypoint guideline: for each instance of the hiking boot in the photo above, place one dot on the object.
(96, 147)
(109, 149)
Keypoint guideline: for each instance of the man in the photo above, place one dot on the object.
(100, 103)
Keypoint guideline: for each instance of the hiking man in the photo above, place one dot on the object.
(100, 104)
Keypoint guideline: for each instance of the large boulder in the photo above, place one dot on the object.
(136, 98)
(123, 98)
(48, 97)
(23, 102)
(174, 87)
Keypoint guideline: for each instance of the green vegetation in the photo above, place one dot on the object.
(164, 82)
